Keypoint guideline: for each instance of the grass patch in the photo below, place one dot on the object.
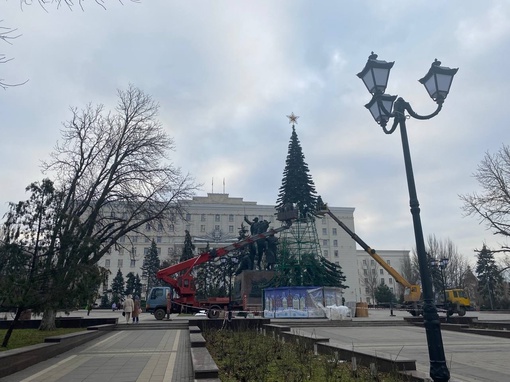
(247, 356)
(26, 337)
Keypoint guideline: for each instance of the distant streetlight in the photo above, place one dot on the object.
(383, 107)
(442, 264)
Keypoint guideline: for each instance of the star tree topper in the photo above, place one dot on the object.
(292, 118)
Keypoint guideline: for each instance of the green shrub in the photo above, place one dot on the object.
(246, 356)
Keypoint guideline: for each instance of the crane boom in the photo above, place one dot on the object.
(388, 268)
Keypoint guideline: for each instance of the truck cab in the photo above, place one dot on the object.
(156, 302)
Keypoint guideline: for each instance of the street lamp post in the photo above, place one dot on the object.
(383, 107)
(442, 264)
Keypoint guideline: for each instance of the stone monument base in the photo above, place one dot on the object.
(248, 288)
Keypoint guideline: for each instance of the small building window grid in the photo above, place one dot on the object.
(217, 218)
(335, 243)
(159, 239)
(202, 217)
(107, 263)
(132, 264)
(325, 242)
(336, 252)
(324, 231)
(326, 253)
(119, 263)
(230, 218)
(230, 228)
(188, 217)
(202, 228)
(381, 271)
(334, 231)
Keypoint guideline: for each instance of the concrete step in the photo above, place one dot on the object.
(304, 323)
(164, 325)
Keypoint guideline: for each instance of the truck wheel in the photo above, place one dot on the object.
(159, 314)
(462, 311)
(214, 311)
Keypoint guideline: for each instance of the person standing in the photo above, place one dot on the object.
(136, 310)
(168, 305)
(129, 306)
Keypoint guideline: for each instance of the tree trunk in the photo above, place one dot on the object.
(48, 320)
(11, 328)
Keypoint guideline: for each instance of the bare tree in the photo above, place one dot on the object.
(457, 267)
(113, 171)
(492, 205)
(409, 270)
(370, 280)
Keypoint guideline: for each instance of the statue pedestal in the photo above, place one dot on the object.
(248, 288)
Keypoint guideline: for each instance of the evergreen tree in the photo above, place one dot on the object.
(130, 284)
(117, 287)
(297, 185)
(137, 286)
(188, 251)
(383, 295)
(489, 278)
(151, 265)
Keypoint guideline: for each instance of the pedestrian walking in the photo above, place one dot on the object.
(168, 305)
(136, 310)
(129, 306)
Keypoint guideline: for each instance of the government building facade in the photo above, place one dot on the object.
(215, 220)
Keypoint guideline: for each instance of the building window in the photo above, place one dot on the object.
(202, 217)
(146, 251)
(217, 218)
(134, 239)
(336, 252)
(216, 227)
(158, 239)
(132, 264)
(324, 231)
(382, 281)
(324, 221)
(373, 271)
(119, 263)
(170, 251)
(390, 281)
(391, 290)
(202, 228)
(372, 263)
(230, 218)
(160, 227)
(326, 253)
(147, 227)
(381, 271)
(121, 251)
(230, 228)
(133, 251)
(365, 271)
(324, 242)
(335, 243)
(334, 231)
(107, 263)
(188, 217)
(171, 228)
(388, 262)
(122, 239)
(365, 262)
(367, 291)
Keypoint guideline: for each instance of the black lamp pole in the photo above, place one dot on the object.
(437, 82)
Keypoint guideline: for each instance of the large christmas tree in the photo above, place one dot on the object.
(297, 186)
(300, 261)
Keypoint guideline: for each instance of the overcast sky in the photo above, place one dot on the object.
(226, 74)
